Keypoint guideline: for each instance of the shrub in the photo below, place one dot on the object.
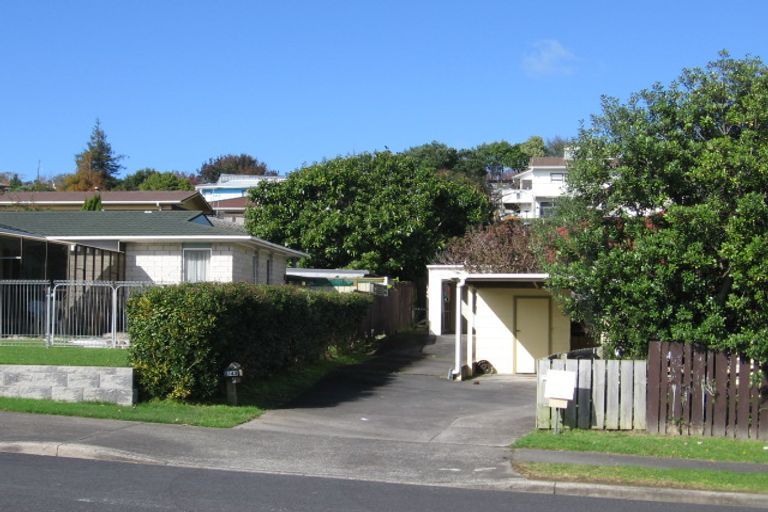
(183, 336)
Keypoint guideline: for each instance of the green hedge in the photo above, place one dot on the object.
(183, 336)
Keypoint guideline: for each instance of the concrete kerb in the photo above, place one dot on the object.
(76, 451)
(82, 451)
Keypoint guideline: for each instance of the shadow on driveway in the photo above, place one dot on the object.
(403, 394)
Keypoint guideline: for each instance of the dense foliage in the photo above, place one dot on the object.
(382, 212)
(210, 171)
(499, 247)
(666, 235)
(182, 337)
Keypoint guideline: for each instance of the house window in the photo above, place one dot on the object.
(546, 208)
(256, 268)
(196, 263)
(527, 184)
(269, 269)
(556, 177)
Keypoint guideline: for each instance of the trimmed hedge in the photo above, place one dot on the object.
(183, 336)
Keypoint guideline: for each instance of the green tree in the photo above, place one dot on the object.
(381, 212)
(93, 203)
(97, 166)
(491, 160)
(134, 181)
(210, 171)
(435, 155)
(666, 233)
(166, 181)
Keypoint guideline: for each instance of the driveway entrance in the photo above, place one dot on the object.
(403, 395)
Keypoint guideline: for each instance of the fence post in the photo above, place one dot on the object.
(48, 315)
(114, 314)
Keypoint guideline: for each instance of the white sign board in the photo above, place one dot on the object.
(560, 385)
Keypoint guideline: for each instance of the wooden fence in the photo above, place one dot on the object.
(392, 312)
(609, 395)
(692, 390)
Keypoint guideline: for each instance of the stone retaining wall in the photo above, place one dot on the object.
(68, 383)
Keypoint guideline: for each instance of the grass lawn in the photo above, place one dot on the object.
(254, 397)
(682, 447)
(651, 477)
(63, 356)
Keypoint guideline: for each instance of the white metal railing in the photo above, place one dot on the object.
(66, 313)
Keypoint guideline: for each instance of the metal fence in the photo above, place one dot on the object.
(65, 313)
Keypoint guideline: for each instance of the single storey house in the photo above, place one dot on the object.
(151, 246)
(505, 319)
(117, 200)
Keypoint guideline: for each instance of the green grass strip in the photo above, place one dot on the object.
(63, 356)
(630, 443)
(709, 480)
(254, 397)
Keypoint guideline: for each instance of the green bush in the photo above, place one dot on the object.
(183, 336)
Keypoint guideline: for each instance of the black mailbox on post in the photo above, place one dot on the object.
(234, 375)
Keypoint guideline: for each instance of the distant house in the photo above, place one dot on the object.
(230, 186)
(110, 200)
(232, 209)
(154, 246)
(531, 193)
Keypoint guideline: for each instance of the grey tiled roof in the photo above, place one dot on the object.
(64, 224)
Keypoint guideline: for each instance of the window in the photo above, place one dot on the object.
(527, 184)
(546, 208)
(196, 262)
(556, 177)
(256, 268)
(269, 269)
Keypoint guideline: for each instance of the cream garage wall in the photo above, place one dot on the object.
(498, 310)
(162, 263)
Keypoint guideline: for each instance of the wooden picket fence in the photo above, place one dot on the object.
(695, 391)
(609, 395)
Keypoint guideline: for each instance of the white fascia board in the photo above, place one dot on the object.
(445, 267)
(504, 277)
(194, 238)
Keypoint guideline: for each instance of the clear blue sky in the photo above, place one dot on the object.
(177, 82)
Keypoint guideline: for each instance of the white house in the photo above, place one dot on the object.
(531, 194)
(508, 320)
(230, 186)
(156, 246)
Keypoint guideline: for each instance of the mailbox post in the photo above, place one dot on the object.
(233, 375)
(558, 390)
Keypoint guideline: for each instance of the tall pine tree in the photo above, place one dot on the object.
(97, 165)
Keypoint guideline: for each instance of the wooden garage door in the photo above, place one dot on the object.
(531, 332)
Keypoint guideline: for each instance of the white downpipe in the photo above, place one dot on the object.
(459, 290)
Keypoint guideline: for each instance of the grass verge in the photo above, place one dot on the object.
(254, 399)
(708, 480)
(627, 443)
(63, 356)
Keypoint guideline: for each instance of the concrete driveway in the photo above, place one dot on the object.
(403, 395)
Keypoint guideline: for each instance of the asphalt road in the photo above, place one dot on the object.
(35, 483)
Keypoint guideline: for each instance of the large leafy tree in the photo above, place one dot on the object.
(381, 212)
(666, 233)
(97, 166)
(151, 179)
(210, 171)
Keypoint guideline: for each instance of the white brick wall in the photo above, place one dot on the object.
(229, 262)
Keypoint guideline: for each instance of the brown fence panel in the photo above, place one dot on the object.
(720, 418)
(698, 393)
(654, 385)
(743, 396)
(711, 395)
(392, 312)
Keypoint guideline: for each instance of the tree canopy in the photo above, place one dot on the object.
(97, 166)
(383, 212)
(151, 179)
(210, 171)
(499, 247)
(666, 233)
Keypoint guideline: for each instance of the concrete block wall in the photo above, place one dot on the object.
(153, 262)
(68, 383)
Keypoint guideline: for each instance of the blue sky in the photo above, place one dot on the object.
(175, 83)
